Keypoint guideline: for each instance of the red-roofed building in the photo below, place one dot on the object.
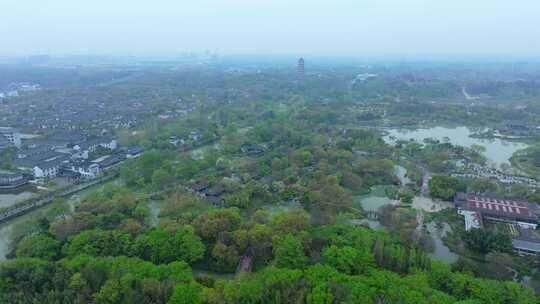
(522, 213)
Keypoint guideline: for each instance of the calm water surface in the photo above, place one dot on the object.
(498, 151)
(401, 173)
(441, 252)
(376, 200)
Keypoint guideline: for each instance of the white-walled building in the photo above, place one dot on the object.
(92, 145)
(86, 170)
(12, 135)
(110, 144)
(43, 165)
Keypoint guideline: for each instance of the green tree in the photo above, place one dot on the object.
(98, 242)
(226, 257)
(347, 259)
(28, 276)
(289, 252)
(517, 293)
(361, 293)
(210, 224)
(320, 294)
(240, 199)
(282, 285)
(484, 241)
(482, 185)
(186, 294)
(111, 293)
(243, 291)
(160, 178)
(160, 246)
(38, 246)
(445, 187)
(291, 222)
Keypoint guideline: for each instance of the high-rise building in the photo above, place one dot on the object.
(300, 68)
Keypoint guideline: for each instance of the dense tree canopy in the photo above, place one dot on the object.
(445, 187)
(256, 212)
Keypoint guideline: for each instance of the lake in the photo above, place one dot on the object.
(498, 151)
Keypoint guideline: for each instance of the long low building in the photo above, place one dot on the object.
(526, 247)
(10, 180)
(522, 213)
(522, 216)
(527, 242)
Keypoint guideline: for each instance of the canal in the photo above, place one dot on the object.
(19, 226)
(377, 199)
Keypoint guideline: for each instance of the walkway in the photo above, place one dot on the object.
(246, 263)
(424, 191)
(24, 207)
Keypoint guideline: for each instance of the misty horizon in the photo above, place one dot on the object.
(308, 28)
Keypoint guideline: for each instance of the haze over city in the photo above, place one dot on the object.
(270, 151)
(313, 27)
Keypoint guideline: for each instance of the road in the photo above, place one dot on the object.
(424, 191)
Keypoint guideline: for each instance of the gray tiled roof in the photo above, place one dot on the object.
(4, 142)
(526, 245)
(6, 174)
(47, 159)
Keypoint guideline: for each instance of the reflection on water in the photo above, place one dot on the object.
(441, 252)
(498, 150)
(373, 224)
(375, 199)
(401, 173)
(373, 203)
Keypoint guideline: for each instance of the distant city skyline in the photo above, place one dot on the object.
(300, 28)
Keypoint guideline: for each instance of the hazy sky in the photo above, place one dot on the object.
(317, 27)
